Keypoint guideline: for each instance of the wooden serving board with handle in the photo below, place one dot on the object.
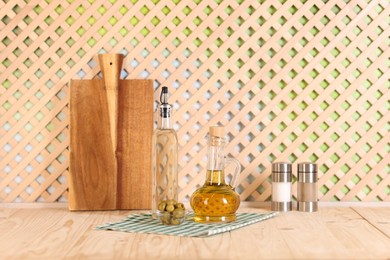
(111, 128)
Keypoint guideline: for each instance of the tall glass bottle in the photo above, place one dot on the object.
(216, 201)
(165, 153)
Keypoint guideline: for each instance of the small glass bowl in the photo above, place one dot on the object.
(169, 218)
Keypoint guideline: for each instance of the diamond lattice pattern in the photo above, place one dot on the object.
(291, 80)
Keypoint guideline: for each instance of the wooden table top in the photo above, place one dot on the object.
(336, 231)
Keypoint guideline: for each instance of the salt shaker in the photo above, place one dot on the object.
(281, 186)
(307, 187)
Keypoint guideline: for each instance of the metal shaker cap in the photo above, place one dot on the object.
(307, 172)
(281, 167)
(307, 167)
(281, 172)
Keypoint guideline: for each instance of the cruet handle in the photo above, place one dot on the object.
(237, 170)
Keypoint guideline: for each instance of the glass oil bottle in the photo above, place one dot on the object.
(165, 153)
(216, 201)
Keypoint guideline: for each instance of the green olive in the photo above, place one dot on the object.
(175, 221)
(179, 206)
(170, 208)
(171, 202)
(165, 218)
(161, 206)
(178, 213)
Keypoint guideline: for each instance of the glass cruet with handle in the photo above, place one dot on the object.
(216, 201)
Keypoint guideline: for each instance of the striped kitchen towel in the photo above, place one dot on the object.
(143, 223)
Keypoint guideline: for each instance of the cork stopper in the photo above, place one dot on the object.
(217, 131)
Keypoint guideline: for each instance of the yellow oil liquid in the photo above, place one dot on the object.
(215, 201)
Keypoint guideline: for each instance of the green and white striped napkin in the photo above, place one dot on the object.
(143, 223)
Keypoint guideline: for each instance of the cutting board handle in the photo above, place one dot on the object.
(111, 66)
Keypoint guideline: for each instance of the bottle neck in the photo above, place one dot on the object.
(165, 123)
(165, 117)
(215, 178)
(216, 162)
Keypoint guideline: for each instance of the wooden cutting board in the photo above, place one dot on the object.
(111, 128)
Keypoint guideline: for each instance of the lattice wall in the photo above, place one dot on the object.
(291, 80)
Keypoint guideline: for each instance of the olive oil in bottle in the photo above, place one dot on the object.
(216, 201)
(164, 153)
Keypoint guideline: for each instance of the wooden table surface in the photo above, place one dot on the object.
(336, 231)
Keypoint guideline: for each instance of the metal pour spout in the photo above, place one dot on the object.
(164, 95)
(165, 108)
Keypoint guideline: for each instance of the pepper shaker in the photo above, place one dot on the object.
(307, 187)
(281, 186)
